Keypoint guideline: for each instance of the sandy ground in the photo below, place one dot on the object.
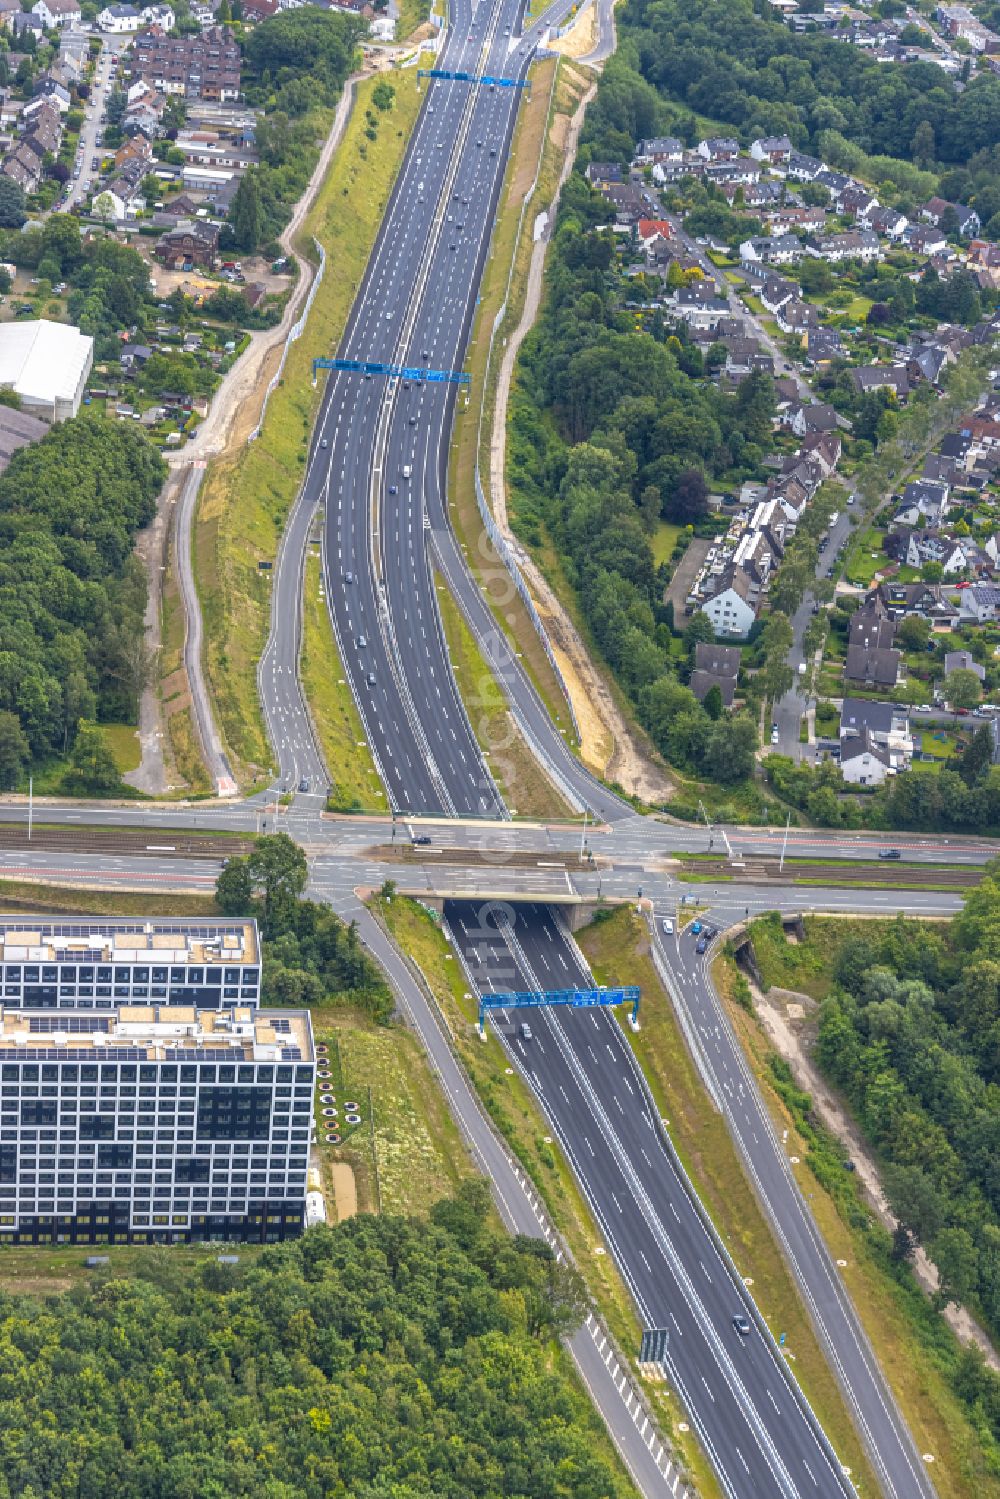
(607, 744)
(344, 1190)
(582, 35)
(779, 1011)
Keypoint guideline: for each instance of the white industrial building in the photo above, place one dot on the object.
(47, 365)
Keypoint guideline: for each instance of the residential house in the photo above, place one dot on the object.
(120, 19)
(49, 88)
(871, 666)
(981, 602)
(931, 546)
(56, 13)
(719, 148)
(924, 239)
(928, 362)
(968, 224)
(205, 66)
(924, 503)
(739, 173)
(888, 222)
(796, 316)
(9, 9)
(823, 448)
(856, 244)
(777, 249)
(774, 149)
(27, 22)
(823, 345)
(881, 377)
(22, 166)
(659, 149)
(193, 241)
(872, 626)
(803, 168)
(817, 417)
(158, 15)
(782, 220)
(730, 609)
(887, 725)
(603, 173)
(715, 666)
(863, 761)
(923, 599)
(962, 661)
(775, 291)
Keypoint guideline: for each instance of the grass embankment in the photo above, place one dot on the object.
(414, 1154)
(25, 895)
(516, 1115)
(522, 783)
(538, 138)
(355, 783)
(617, 947)
(916, 1349)
(245, 499)
(182, 741)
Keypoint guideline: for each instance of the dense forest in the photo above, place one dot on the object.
(296, 64)
(383, 1359)
(310, 956)
(71, 593)
(608, 435)
(911, 1034)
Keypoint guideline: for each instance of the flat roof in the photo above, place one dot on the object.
(157, 1033)
(113, 939)
(43, 361)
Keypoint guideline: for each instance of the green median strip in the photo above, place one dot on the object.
(521, 781)
(245, 498)
(354, 782)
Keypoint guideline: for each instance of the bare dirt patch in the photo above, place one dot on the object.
(344, 1190)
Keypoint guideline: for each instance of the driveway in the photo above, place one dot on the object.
(687, 570)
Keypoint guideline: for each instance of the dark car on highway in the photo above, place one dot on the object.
(701, 945)
(889, 853)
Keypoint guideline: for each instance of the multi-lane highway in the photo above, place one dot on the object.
(379, 460)
(759, 1434)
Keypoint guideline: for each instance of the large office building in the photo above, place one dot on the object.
(155, 1123)
(98, 963)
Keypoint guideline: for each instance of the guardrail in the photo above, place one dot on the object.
(294, 332)
(499, 542)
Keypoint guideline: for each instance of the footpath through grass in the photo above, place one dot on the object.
(617, 945)
(916, 1349)
(522, 783)
(516, 1115)
(245, 499)
(355, 782)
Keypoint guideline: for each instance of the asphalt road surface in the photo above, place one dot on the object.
(720, 1059)
(379, 458)
(756, 1429)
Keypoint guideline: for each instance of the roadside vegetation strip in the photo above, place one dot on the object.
(534, 148)
(355, 783)
(523, 784)
(917, 1351)
(513, 1109)
(78, 900)
(617, 942)
(245, 498)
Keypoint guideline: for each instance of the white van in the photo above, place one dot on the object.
(406, 470)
